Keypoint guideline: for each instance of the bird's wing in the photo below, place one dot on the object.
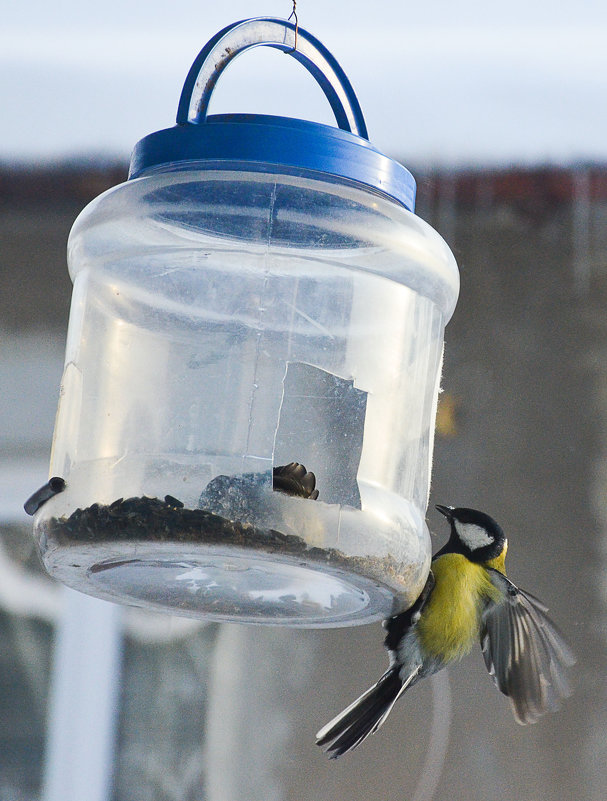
(397, 626)
(524, 652)
(294, 479)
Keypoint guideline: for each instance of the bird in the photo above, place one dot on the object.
(242, 497)
(466, 598)
(294, 479)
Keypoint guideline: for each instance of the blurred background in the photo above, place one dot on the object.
(499, 114)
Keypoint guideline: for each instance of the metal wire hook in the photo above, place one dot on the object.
(294, 15)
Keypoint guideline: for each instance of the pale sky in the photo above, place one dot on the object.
(441, 82)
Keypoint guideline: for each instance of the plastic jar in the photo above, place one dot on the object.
(259, 296)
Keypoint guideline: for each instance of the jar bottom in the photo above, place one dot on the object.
(224, 584)
(154, 553)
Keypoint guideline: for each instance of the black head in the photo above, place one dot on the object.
(473, 533)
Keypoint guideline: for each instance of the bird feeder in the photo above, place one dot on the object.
(246, 413)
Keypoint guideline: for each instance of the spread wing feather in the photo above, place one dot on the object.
(524, 652)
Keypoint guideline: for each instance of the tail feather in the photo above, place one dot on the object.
(363, 717)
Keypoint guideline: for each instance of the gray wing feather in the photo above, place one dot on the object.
(524, 652)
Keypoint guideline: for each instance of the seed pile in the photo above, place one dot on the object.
(154, 520)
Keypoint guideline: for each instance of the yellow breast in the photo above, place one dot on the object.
(450, 622)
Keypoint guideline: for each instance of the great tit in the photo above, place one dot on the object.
(467, 597)
(239, 497)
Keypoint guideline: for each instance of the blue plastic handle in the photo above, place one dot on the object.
(272, 32)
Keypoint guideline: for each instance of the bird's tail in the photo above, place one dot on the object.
(363, 717)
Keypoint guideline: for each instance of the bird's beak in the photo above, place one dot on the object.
(445, 510)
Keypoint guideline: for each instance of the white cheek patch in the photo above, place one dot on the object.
(472, 536)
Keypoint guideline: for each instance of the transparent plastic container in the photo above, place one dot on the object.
(229, 321)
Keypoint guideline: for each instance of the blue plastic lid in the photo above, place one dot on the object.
(267, 142)
(289, 144)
